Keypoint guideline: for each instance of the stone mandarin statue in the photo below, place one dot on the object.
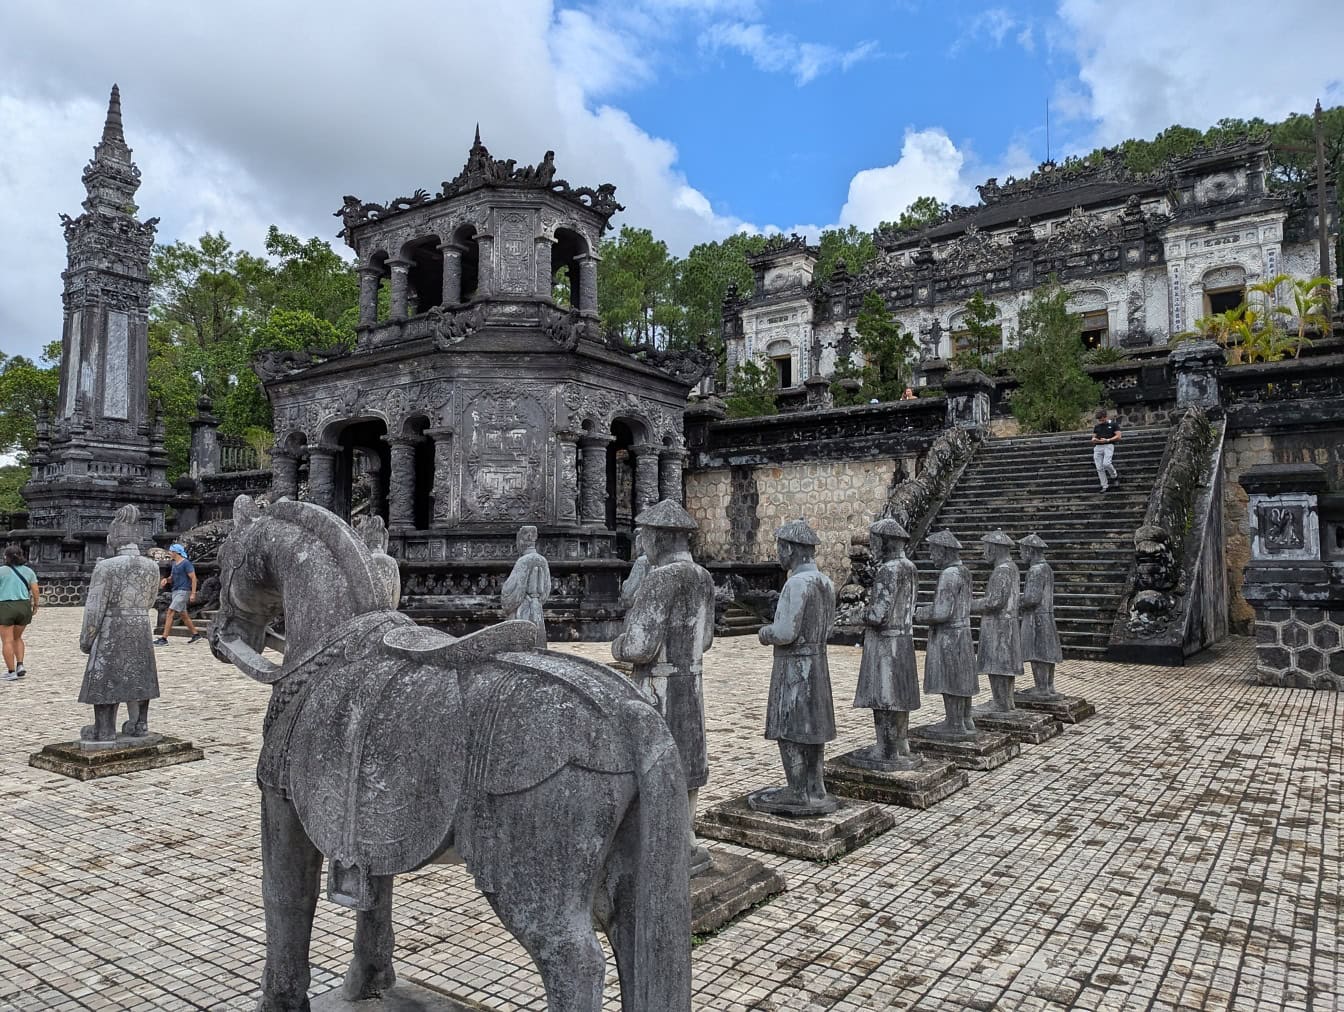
(638, 569)
(888, 674)
(800, 715)
(949, 665)
(1040, 639)
(529, 585)
(668, 628)
(117, 636)
(1000, 653)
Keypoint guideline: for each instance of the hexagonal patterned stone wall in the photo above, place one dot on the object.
(1300, 647)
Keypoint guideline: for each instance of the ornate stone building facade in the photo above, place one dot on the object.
(482, 396)
(102, 449)
(1142, 257)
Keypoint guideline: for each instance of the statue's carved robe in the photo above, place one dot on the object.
(668, 628)
(116, 633)
(800, 706)
(888, 675)
(949, 665)
(630, 586)
(526, 590)
(1000, 633)
(1040, 639)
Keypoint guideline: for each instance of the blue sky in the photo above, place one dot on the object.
(710, 116)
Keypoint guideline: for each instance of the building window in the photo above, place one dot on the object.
(1220, 300)
(784, 370)
(1096, 327)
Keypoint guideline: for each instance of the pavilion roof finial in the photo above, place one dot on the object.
(112, 132)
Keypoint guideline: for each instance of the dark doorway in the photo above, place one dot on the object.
(465, 239)
(363, 465)
(424, 281)
(620, 478)
(784, 372)
(1227, 299)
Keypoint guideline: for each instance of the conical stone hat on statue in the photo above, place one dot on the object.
(946, 539)
(998, 538)
(888, 528)
(1032, 541)
(668, 516)
(798, 532)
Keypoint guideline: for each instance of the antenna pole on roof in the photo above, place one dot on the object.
(1047, 128)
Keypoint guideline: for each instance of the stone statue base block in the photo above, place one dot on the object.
(812, 838)
(74, 759)
(988, 751)
(1030, 727)
(1065, 709)
(927, 784)
(733, 885)
(403, 997)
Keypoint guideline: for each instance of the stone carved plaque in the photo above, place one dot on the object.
(515, 249)
(116, 384)
(1281, 528)
(504, 458)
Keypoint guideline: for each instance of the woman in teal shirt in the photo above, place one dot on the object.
(18, 605)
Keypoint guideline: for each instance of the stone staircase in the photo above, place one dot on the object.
(1047, 485)
(738, 621)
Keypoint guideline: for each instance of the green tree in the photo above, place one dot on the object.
(1054, 391)
(12, 478)
(702, 282)
(849, 244)
(753, 392)
(887, 352)
(26, 388)
(922, 211)
(637, 288)
(984, 337)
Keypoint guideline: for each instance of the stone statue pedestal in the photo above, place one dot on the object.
(812, 838)
(109, 759)
(1030, 727)
(403, 997)
(924, 784)
(731, 886)
(987, 751)
(1065, 709)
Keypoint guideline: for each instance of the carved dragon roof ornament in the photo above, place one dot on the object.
(779, 244)
(482, 170)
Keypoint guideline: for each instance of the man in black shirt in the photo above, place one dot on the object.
(1105, 434)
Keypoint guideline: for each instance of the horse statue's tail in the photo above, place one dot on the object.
(658, 956)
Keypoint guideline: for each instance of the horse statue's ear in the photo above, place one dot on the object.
(244, 511)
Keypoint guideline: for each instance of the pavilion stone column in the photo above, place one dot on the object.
(445, 504)
(545, 281)
(485, 270)
(372, 463)
(322, 476)
(587, 283)
(670, 464)
(646, 476)
(452, 273)
(284, 474)
(400, 272)
(401, 485)
(593, 494)
(369, 277)
(567, 476)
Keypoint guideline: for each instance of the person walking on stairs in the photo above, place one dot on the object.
(1105, 434)
(183, 589)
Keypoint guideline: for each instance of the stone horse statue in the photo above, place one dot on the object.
(388, 746)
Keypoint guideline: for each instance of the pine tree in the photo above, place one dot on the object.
(1055, 391)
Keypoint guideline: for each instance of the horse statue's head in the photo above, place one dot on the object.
(294, 558)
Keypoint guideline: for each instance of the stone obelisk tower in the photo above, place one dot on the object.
(101, 448)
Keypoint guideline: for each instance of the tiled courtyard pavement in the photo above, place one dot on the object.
(1180, 850)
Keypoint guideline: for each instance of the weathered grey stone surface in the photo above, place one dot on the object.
(1000, 649)
(1040, 637)
(638, 570)
(387, 743)
(116, 634)
(800, 712)
(729, 888)
(403, 996)
(668, 628)
(985, 751)
(1030, 727)
(529, 585)
(924, 783)
(128, 755)
(1065, 709)
(820, 837)
(949, 664)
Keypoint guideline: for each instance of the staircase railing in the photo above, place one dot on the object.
(913, 504)
(1176, 604)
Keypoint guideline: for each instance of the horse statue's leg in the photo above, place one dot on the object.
(291, 869)
(370, 972)
(546, 878)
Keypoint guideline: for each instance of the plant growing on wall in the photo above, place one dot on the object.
(1309, 308)
(753, 392)
(887, 351)
(984, 337)
(1055, 391)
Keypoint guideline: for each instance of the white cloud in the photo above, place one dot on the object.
(992, 26)
(257, 112)
(1147, 64)
(930, 165)
(782, 53)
